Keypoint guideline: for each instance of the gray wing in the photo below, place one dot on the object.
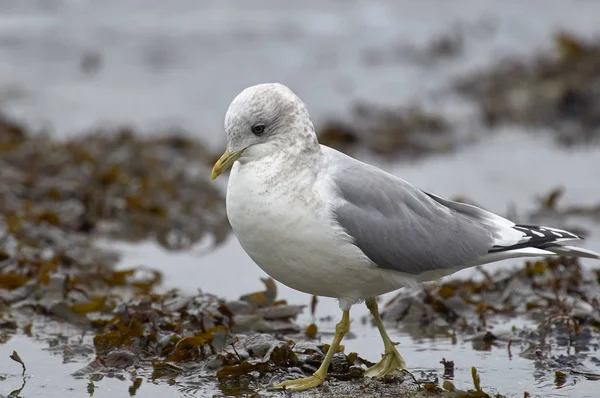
(402, 228)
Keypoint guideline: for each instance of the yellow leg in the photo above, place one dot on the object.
(319, 376)
(392, 362)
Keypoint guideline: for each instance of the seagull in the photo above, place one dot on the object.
(327, 224)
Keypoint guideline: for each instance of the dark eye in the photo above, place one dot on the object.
(258, 129)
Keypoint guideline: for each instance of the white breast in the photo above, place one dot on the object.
(301, 248)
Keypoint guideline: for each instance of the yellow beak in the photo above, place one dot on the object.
(224, 162)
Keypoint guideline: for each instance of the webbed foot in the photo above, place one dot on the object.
(392, 363)
(301, 384)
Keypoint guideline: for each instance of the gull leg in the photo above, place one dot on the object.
(319, 376)
(392, 362)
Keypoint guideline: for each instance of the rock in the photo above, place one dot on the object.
(257, 323)
(239, 307)
(280, 311)
(177, 303)
(259, 344)
(121, 359)
(339, 363)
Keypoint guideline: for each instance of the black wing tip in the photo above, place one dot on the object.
(547, 231)
(538, 237)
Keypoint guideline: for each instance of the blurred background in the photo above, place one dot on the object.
(119, 106)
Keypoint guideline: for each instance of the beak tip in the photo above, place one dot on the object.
(224, 162)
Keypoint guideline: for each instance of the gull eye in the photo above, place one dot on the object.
(258, 129)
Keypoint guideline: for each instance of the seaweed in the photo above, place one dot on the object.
(409, 132)
(111, 184)
(476, 393)
(556, 91)
(17, 358)
(311, 331)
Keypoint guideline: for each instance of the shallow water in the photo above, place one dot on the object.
(48, 376)
(501, 370)
(180, 63)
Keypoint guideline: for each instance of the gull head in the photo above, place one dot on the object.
(261, 119)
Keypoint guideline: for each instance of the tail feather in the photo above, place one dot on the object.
(573, 251)
(541, 240)
(538, 237)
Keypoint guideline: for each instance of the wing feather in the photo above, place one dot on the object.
(403, 228)
(400, 227)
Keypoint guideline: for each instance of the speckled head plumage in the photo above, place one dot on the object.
(263, 111)
(266, 120)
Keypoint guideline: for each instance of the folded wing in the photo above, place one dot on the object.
(402, 228)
